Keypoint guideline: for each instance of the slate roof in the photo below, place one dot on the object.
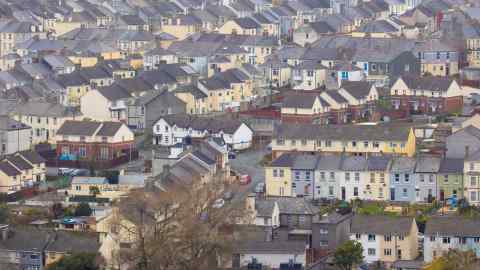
(321, 27)
(427, 165)
(298, 101)
(403, 164)
(8, 169)
(212, 125)
(451, 165)
(358, 89)
(24, 239)
(247, 23)
(354, 163)
(43, 109)
(72, 242)
(294, 206)
(330, 162)
(109, 129)
(285, 160)
(305, 162)
(335, 95)
(78, 128)
(378, 26)
(7, 123)
(272, 247)
(19, 163)
(32, 156)
(343, 132)
(431, 83)
(378, 163)
(203, 157)
(453, 226)
(381, 225)
(113, 92)
(192, 89)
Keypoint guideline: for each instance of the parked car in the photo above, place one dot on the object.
(232, 155)
(218, 203)
(245, 179)
(228, 196)
(260, 188)
(65, 171)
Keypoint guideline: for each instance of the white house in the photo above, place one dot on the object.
(444, 233)
(14, 136)
(172, 129)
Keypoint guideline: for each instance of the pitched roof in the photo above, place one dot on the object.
(453, 226)
(378, 163)
(8, 169)
(298, 101)
(358, 89)
(354, 163)
(109, 129)
(342, 132)
(79, 128)
(19, 163)
(383, 225)
(451, 165)
(247, 23)
(427, 165)
(113, 92)
(431, 83)
(31, 156)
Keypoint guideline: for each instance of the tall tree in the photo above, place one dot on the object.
(457, 259)
(348, 255)
(175, 230)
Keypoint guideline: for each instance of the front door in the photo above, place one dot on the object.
(392, 194)
(344, 195)
(442, 195)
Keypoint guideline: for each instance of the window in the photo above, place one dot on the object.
(380, 192)
(310, 73)
(332, 175)
(354, 144)
(358, 236)
(438, 55)
(82, 151)
(355, 191)
(323, 231)
(376, 144)
(371, 251)
(323, 243)
(78, 188)
(430, 178)
(104, 139)
(82, 138)
(462, 240)
(446, 240)
(304, 142)
(473, 195)
(280, 141)
(322, 175)
(382, 177)
(405, 193)
(330, 190)
(387, 252)
(372, 177)
(319, 143)
(365, 144)
(307, 175)
(445, 178)
(281, 172)
(104, 153)
(275, 173)
(397, 177)
(387, 238)
(347, 177)
(371, 237)
(294, 185)
(422, 178)
(297, 175)
(328, 143)
(401, 238)
(432, 238)
(472, 166)
(293, 142)
(357, 177)
(407, 177)
(476, 239)
(473, 180)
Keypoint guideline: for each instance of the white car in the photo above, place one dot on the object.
(218, 203)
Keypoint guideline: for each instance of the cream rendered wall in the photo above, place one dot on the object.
(278, 186)
(95, 106)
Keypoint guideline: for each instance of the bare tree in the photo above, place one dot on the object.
(181, 229)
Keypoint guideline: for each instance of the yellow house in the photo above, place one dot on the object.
(84, 59)
(241, 26)
(182, 26)
(20, 170)
(196, 100)
(278, 177)
(75, 87)
(44, 118)
(351, 139)
(385, 238)
(60, 28)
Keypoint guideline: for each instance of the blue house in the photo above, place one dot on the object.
(402, 180)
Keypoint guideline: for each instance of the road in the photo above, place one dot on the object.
(248, 162)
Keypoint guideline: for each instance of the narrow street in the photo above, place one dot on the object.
(248, 162)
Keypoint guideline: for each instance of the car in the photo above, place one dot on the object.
(245, 179)
(260, 188)
(228, 196)
(232, 155)
(218, 203)
(65, 171)
(79, 172)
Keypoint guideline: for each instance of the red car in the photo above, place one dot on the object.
(245, 179)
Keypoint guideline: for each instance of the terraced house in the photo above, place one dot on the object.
(386, 238)
(351, 139)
